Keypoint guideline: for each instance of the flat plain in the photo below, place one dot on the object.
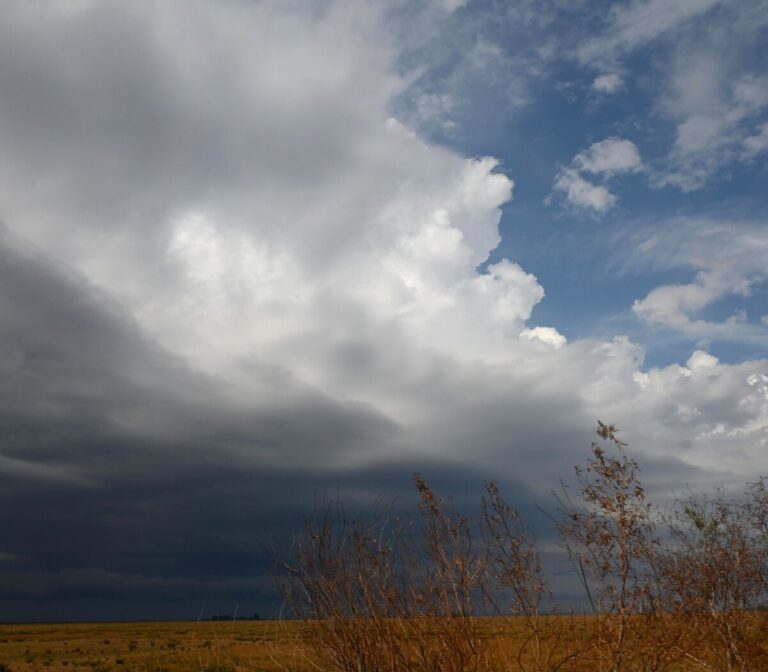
(201, 646)
(270, 646)
(220, 646)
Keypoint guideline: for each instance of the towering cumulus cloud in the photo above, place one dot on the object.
(231, 275)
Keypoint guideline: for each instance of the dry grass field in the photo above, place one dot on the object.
(222, 646)
(150, 647)
(254, 646)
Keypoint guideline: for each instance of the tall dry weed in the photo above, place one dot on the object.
(381, 597)
(516, 587)
(714, 569)
(610, 534)
(388, 593)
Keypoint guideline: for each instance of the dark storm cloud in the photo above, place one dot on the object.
(73, 363)
(115, 458)
(200, 543)
(124, 475)
(130, 482)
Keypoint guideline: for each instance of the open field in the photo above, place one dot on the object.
(253, 646)
(149, 647)
(221, 646)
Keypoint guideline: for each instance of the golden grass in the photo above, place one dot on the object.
(242, 646)
(211, 647)
(151, 647)
(187, 646)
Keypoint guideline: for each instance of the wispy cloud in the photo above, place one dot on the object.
(727, 259)
(716, 120)
(755, 144)
(635, 23)
(708, 85)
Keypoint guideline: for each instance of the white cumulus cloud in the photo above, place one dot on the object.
(229, 180)
(609, 157)
(608, 83)
(547, 335)
(582, 192)
(606, 158)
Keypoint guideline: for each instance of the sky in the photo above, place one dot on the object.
(253, 252)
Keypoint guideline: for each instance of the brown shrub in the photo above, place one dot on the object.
(387, 594)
